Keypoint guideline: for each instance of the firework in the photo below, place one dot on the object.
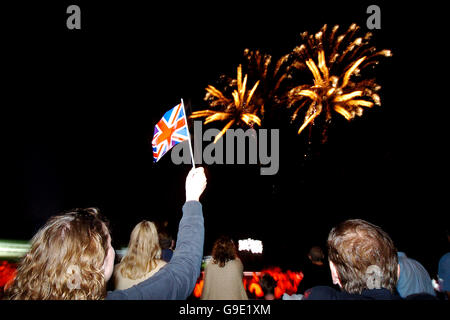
(335, 63)
(237, 109)
(270, 75)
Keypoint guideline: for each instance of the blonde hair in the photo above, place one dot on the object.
(65, 260)
(143, 251)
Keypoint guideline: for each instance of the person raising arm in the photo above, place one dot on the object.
(71, 257)
(176, 280)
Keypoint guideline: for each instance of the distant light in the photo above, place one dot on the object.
(206, 259)
(122, 252)
(254, 246)
(13, 249)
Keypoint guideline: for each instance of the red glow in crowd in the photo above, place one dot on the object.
(7, 274)
(287, 282)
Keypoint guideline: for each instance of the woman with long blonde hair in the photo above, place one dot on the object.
(70, 258)
(142, 259)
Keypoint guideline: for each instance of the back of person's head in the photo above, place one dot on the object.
(65, 260)
(268, 284)
(316, 254)
(165, 240)
(143, 251)
(364, 256)
(223, 251)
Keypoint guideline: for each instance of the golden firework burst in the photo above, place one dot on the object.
(270, 75)
(334, 61)
(237, 109)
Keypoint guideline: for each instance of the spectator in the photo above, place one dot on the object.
(444, 275)
(223, 274)
(142, 258)
(315, 271)
(413, 278)
(442, 285)
(268, 285)
(363, 262)
(167, 245)
(71, 257)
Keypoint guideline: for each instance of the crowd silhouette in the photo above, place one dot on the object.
(71, 257)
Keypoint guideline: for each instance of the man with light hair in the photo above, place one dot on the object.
(363, 263)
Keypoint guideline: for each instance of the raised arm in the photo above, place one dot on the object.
(176, 280)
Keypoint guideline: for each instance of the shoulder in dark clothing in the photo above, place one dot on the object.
(421, 296)
(314, 276)
(328, 293)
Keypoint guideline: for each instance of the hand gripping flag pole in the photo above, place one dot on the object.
(189, 135)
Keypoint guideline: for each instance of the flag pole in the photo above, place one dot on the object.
(189, 135)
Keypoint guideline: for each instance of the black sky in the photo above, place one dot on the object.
(80, 107)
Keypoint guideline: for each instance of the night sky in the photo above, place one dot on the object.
(79, 109)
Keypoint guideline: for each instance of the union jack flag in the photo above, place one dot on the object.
(169, 131)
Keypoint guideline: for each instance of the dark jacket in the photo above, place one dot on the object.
(176, 280)
(328, 293)
(315, 275)
(166, 254)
